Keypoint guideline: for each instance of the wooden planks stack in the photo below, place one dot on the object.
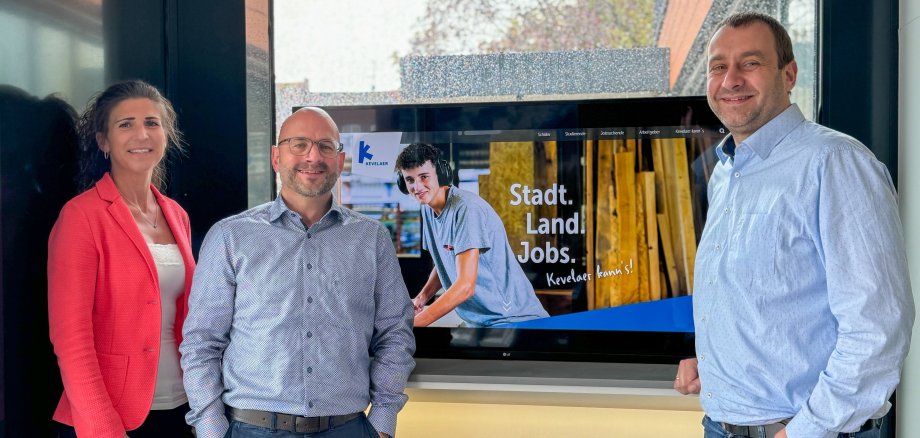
(605, 231)
(619, 234)
(642, 230)
(635, 210)
(673, 183)
(649, 237)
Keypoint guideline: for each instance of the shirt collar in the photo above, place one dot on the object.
(279, 208)
(765, 139)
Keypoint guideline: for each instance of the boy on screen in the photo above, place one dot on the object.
(473, 260)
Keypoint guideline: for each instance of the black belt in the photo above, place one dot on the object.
(771, 429)
(768, 430)
(288, 422)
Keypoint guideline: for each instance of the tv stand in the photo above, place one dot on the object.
(581, 384)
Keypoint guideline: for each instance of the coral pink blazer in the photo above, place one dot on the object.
(104, 309)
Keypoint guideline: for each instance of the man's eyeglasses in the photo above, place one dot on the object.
(303, 145)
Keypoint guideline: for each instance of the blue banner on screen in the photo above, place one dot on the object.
(670, 315)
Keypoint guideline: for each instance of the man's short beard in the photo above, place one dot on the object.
(328, 182)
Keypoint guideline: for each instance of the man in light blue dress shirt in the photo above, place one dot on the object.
(298, 317)
(803, 307)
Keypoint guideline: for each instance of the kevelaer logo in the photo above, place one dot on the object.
(365, 156)
(364, 152)
(372, 154)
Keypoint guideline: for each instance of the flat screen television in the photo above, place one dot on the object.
(603, 203)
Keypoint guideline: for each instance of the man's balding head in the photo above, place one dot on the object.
(310, 116)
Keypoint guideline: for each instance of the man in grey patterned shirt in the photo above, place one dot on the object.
(299, 317)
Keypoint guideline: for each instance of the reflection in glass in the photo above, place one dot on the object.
(406, 51)
(53, 48)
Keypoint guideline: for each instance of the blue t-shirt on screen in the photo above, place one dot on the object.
(503, 293)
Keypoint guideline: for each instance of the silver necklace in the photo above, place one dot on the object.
(156, 214)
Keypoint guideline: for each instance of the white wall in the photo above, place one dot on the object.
(909, 186)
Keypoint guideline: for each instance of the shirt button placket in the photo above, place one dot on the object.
(312, 278)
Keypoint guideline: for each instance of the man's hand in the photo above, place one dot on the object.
(688, 379)
(383, 435)
(781, 434)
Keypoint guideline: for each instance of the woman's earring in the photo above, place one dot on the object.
(105, 154)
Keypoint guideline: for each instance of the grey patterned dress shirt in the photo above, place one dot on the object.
(307, 321)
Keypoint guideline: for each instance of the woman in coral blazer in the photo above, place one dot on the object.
(119, 273)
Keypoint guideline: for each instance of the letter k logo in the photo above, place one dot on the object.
(363, 152)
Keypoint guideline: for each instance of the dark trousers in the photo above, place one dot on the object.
(158, 424)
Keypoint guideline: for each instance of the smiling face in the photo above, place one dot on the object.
(310, 175)
(134, 136)
(422, 183)
(746, 88)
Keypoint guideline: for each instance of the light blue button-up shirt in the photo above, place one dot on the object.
(311, 322)
(802, 304)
